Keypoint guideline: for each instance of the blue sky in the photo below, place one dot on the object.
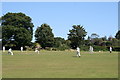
(96, 17)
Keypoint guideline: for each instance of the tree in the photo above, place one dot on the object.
(58, 41)
(61, 43)
(13, 36)
(110, 38)
(17, 29)
(18, 20)
(117, 36)
(37, 45)
(0, 32)
(0, 38)
(94, 35)
(44, 36)
(98, 41)
(76, 36)
(88, 41)
(94, 39)
(114, 42)
(104, 38)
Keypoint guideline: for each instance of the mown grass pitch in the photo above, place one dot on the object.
(59, 64)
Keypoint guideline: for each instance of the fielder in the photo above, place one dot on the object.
(91, 49)
(110, 49)
(21, 49)
(78, 52)
(3, 48)
(10, 51)
(36, 50)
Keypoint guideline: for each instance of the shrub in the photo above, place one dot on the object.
(48, 48)
(28, 48)
(100, 48)
(114, 48)
(63, 47)
(84, 48)
(95, 48)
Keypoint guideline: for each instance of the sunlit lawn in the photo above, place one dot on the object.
(59, 64)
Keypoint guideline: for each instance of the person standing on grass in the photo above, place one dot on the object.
(3, 48)
(110, 49)
(36, 50)
(78, 52)
(10, 51)
(91, 49)
(21, 49)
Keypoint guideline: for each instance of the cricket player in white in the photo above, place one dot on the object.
(21, 49)
(91, 49)
(78, 52)
(110, 49)
(3, 48)
(10, 51)
(36, 50)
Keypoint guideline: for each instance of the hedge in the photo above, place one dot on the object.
(100, 48)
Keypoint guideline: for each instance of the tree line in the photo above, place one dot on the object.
(17, 31)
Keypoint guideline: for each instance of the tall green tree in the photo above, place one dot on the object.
(0, 32)
(61, 43)
(44, 36)
(117, 36)
(94, 35)
(76, 36)
(18, 20)
(115, 42)
(17, 29)
(94, 39)
(58, 41)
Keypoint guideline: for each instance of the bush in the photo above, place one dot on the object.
(95, 48)
(54, 49)
(114, 48)
(28, 48)
(63, 47)
(84, 48)
(100, 48)
(48, 48)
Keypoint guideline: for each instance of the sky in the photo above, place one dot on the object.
(96, 17)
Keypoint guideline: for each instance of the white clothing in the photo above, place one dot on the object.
(110, 48)
(10, 51)
(78, 51)
(91, 49)
(36, 50)
(21, 48)
(3, 48)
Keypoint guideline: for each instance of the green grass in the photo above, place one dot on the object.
(60, 64)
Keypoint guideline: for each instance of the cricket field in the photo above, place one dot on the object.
(59, 64)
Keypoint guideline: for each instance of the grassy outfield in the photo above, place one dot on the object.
(60, 64)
